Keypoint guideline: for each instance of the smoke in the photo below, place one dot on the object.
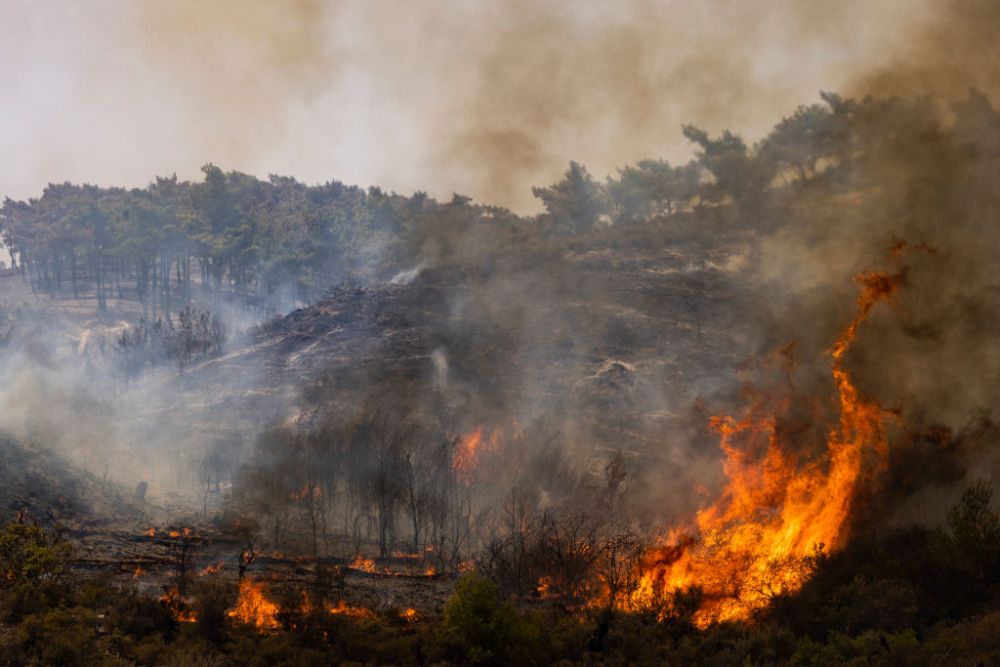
(924, 190)
(949, 50)
(445, 96)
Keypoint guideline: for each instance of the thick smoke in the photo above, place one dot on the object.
(445, 96)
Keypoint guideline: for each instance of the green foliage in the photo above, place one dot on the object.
(63, 636)
(574, 203)
(484, 629)
(30, 554)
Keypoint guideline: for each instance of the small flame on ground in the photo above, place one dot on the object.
(363, 564)
(212, 569)
(545, 588)
(254, 606)
(173, 601)
(343, 608)
(186, 533)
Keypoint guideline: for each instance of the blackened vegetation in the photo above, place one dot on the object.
(168, 341)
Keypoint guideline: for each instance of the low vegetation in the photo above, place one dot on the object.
(912, 596)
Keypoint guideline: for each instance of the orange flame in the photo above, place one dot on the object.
(310, 490)
(254, 607)
(545, 588)
(345, 609)
(363, 564)
(776, 511)
(151, 532)
(186, 533)
(470, 448)
(173, 601)
(211, 569)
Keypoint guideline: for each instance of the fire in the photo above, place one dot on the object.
(776, 510)
(310, 490)
(470, 448)
(173, 601)
(211, 569)
(253, 606)
(151, 532)
(410, 615)
(186, 533)
(363, 564)
(545, 588)
(342, 608)
(306, 607)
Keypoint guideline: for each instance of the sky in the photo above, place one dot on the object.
(482, 98)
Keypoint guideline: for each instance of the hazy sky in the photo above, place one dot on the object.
(483, 98)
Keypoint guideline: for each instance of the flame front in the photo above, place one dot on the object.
(776, 510)
(253, 606)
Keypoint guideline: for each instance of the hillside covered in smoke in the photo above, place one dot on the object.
(358, 379)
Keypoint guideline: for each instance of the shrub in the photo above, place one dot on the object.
(479, 628)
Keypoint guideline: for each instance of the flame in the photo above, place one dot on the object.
(410, 615)
(776, 510)
(430, 571)
(310, 490)
(253, 606)
(347, 610)
(187, 616)
(363, 564)
(186, 533)
(138, 572)
(306, 607)
(173, 601)
(545, 588)
(151, 532)
(470, 448)
(212, 569)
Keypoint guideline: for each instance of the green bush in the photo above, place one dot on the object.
(481, 629)
(30, 554)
